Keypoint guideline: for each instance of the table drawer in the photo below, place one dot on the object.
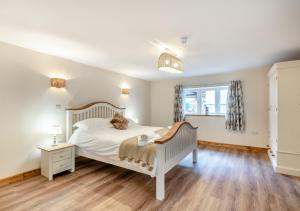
(62, 165)
(62, 155)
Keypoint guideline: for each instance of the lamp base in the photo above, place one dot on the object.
(54, 141)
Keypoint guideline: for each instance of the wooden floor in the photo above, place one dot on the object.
(223, 179)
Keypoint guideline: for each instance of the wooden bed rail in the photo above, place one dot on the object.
(93, 103)
(172, 132)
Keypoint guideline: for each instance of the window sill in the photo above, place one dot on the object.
(212, 115)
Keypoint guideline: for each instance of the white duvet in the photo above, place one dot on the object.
(106, 141)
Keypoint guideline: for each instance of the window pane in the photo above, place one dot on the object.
(223, 108)
(223, 100)
(198, 100)
(223, 96)
(190, 102)
(211, 108)
(208, 100)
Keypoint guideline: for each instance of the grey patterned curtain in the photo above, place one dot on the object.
(235, 118)
(178, 113)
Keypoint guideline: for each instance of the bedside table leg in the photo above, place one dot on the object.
(50, 177)
(73, 160)
(73, 168)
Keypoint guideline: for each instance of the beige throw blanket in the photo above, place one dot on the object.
(145, 155)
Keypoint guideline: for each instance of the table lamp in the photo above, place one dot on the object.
(55, 130)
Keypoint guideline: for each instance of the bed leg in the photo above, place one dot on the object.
(195, 151)
(160, 186)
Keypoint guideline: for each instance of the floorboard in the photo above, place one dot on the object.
(223, 179)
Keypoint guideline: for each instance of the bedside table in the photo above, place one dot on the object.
(56, 159)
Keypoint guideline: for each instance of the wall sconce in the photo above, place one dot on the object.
(58, 82)
(125, 91)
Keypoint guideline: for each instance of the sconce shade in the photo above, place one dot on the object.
(58, 82)
(170, 63)
(125, 91)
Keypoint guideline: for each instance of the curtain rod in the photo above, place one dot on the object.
(206, 85)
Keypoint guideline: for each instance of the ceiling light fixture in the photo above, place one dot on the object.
(170, 63)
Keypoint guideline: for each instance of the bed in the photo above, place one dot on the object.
(176, 144)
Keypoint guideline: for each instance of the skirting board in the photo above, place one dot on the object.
(287, 171)
(232, 146)
(19, 177)
(284, 169)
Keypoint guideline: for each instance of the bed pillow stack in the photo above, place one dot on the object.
(92, 123)
(119, 122)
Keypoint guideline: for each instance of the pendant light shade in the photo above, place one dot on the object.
(170, 63)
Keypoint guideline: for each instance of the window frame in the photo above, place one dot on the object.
(199, 90)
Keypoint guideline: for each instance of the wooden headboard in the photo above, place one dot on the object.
(92, 110)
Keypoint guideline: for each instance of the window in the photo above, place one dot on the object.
(205, 100)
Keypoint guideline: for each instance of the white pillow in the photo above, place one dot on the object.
(92, 123)
(131, 122)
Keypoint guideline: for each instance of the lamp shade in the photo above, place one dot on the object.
(125, 91)
(55, 130)
(170, 63)
(58, 82)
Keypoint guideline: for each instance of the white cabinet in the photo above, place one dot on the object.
(284, 117)
(56, 159)
(273, 110)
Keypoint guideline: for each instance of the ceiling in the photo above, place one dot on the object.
(128, 36)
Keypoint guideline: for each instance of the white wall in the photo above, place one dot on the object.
(28, 104)
(255, 85)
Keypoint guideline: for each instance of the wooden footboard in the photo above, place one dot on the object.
(171, 149)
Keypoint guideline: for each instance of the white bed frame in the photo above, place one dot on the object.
(170, 150)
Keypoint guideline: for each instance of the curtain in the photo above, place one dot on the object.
(235, 118)
(178, 113)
